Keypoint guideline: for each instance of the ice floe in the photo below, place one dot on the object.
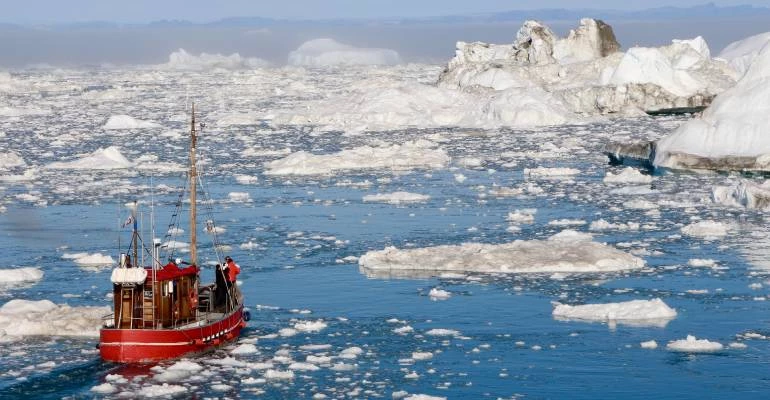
(635, 312)
(11, 159)
(101, 159)
(706, 229)
(325, 52)
(396, 198)
(117, 122)
(20, 275)
(93, 259)
(627, 175)
(694, 345)
(23, 318)
(561, 253)
(418, 154)
(748, 194)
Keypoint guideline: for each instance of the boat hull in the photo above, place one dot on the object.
(152, 345)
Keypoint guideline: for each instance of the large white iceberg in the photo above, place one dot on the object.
(327, 52)
(587, 72)
(635, 312)
(562, 253)
(108, 158)
(741, 54)
(732, 133)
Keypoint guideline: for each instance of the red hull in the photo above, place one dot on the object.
(152, 345)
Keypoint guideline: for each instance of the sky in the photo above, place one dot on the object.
(142, 11)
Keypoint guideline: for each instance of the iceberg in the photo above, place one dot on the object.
(326, 52)
(587, 72)
(742, 53)
(182, 60)
(732, 133)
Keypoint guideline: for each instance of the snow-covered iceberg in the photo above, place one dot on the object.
(745, 193)
(587, 72)
(108, 158)
(566, 252)
(327, 52)
(635, 312)
(741, 54)
(182, 60)
(732, 134)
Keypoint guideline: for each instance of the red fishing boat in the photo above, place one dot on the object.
(161, 311)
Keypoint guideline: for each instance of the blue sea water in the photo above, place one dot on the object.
(503, 343)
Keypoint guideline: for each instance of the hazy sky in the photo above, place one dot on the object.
(136, 11)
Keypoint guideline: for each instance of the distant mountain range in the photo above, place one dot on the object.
(704, 11)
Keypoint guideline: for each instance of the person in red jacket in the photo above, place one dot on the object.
(232, 270)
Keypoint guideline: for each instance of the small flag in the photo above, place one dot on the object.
(128, 221)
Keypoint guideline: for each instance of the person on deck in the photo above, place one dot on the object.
(232, 270)
(220, 293)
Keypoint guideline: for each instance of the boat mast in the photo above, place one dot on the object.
(193, 180)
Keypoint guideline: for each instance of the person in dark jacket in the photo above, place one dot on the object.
(220, 293)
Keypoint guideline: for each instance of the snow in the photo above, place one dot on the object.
(694, 345)
(396, 198)
(101, 159)
(397, 157)
(22, 318)
(19, 275)
(742, 53)
(731, 133)
(705, 229)
(182, 60)
(635, 312)
(118, 122)
(565, 253)
(326, 52)
(628, 175)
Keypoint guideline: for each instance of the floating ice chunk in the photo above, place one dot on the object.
(566, 222)
(743, 194)
(21, 318)
(627, 175)
(301, 366)
(90, 260)
(422, 355)
(602, 225)
(182, 60)
(526, 216)
(694, 345)
(460, 178)
(439, 294)
(327, 52)
(543, 172)
(310, 326)
(422, 396)
(403, 330)
(635, 312)
(277, 375)
(18, 275)
(11, 160)
(351, 352)
(246, 179)
(442, 332)
(104, 388)
(410, 155)
(567, 253)
(164, 390)
(650, 344)
(287, 332)
(239, 197)
(702, 262)
(706, 229)
(117, 122)
(397, 198)
(245, 348)
(108, 158)
(177, 372)
(737, 345)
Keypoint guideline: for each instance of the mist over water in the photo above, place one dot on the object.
(415, 42)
